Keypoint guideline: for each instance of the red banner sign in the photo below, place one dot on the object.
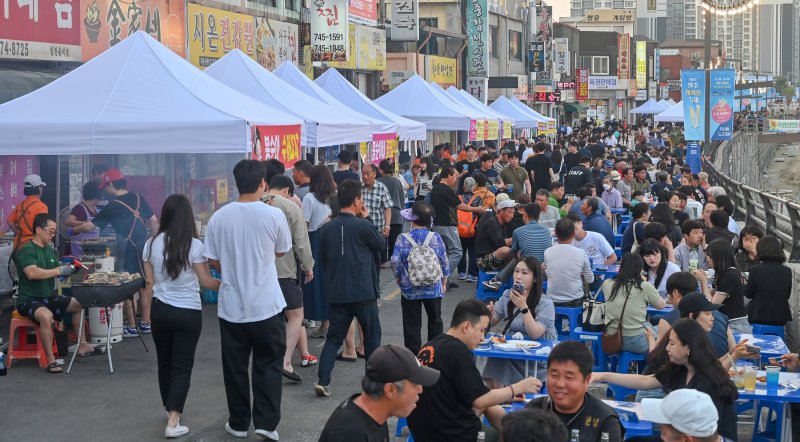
(278, 142)
(40, 30)
(381, 147)
(582, 75)
(13, 169)
(624, 45)
(364, 12)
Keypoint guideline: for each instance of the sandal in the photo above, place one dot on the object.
(54, 368)
(98, 350)
(341, 357)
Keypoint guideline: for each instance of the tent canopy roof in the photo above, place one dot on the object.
(651, 106)
(470, 101)
(136, 97)
(522, 120)
(524, 108)
(674, 114)
(417, 100)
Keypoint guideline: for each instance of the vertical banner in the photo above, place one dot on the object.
(582, 84)
(480, 130)
(13, 169)
(664, 88)
(652, 90)
(657, 64)
(561, 55)
(536, 58)
(405, 20)
(473, 130)
(641, 64)
(693, 156)
(477, 39)
(722, 91)
(214, 32)
(623, 56)
(477, 87)
(693, 91)
(277, 142)
(494, 130)
(329, 33)
(506, 132)
(380, 147)
(544, 35)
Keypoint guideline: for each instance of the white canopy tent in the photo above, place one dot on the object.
(290, 74)
(664, 103)
(341, 89)
(137, 97)
(522, 120)
(468, 100)
(522, 106)
(651, 106)
(469, 110)
(674, 114)
(671, 102)
(416, 99)
(325, 126)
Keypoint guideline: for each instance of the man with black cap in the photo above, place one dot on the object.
(21, 218)
(392, 385)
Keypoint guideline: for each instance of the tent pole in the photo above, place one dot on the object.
(58, 197)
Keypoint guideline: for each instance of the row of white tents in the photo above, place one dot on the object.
(663, 111)
(139, 97)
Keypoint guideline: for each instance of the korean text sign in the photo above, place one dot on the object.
(382, 147)
(13, 169)
(641, 64)
(582, 86)
(214, 32)
(405, 20)
(477, 38)
(544, 35)
(105, 23)
(329, 32)
(40, 30)
(623, 56)
(277, 142)
(275, 43)
(441, 70)
(561, 55)
(693, 91)
(722, 90)
(364, 12)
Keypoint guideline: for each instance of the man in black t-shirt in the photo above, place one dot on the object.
(572, 157)
(491, 247)
(451, 409)
(467, 167)
(596, 148)
(344, 172)
(392, 385)
(578, 177)
(540, 168)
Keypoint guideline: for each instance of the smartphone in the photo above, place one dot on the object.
(649, 326)
(518, 287)
(752, 348)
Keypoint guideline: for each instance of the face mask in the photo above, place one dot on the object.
(607, 186)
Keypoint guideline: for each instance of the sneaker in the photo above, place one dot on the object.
(308, 360)
(266, 435)
(129, 332)
(322, 390)
(471, 278)
(462, 276)
(492, 285)
(235, 433)
(144, 327)
(308, 323)
(176, 431)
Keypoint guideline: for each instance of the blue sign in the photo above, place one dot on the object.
(722, 90)
(693, 94)
(332, 153)
(693, 156)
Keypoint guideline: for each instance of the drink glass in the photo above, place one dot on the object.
(749, 378)
(738, 374)
(773, 376)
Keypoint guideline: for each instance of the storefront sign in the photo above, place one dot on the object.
(30, 31)
(721, 90)
(13, 169)
(544, 35)
(477, 87)
(105, 23)
(276, 42)
(567, 95)
(664, 90)
(582, 85)
(440, 70)
(641, 64)
(641, 95)
(329, 32)
(364, 12)
(783, 126)
(371, 47)
(611, 15)
(277, 142)
(405, 20)
(536, 57)
(521, 91)
(652, 90)
(214, 32)
(477, 39)
(623, 56)
(693, 158)
(352, 50)
(396, 78)
(597, 82)
(693, 91)
(547, 97)
(561, 55)
(657, 64)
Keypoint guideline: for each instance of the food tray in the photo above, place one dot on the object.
(95, 295)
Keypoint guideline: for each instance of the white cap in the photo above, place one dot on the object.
(34, 180)
(506, 204)
(689, 411)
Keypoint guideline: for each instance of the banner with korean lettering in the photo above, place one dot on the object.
(329, 31)
(544, 35)
(693, 156)
(623, 56)
(13, 169)
(473, 130)
(364, 12)
(371, 47)
(381, 147)
(105, 23)
(33, 31)
(561, 55)
(440, 70)
(214, 32)
(493, 130)
(722, 91)
(641, 64)
(693, 91)
(582, 84)
(477, 38)
(536, 57)
(277, 142)
(506, 132)
(275, 43)
(405, 20)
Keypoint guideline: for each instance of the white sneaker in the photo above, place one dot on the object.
(176, 431)
(267, 435)
(233, 432)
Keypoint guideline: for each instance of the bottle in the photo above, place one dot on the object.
(694, 259)
(576, 436)
(604, 437)
(108, 252)
(3, 370)
(481, 436)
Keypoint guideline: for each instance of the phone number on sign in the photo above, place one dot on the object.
(13, 48)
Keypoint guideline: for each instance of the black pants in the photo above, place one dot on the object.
(469, 262)
(175, 333)
(266, 340)
(341, 316)
(394, 231)
(412, 321)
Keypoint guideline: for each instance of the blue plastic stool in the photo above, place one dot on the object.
(772, 430)
(775, 330)
(484, 295)
(402, 423)
(600, 362)
(573, 314)
(620, 363)
(622, 227)
(618, 252)
(617, 240)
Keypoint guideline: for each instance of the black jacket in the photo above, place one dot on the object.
(769, 286)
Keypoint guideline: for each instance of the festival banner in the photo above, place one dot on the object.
(363, 12)
(13, 169)
(381, 148)
(623, 56)
(405, 20)
(582, 84)
(641, 64)
(693, 91)
(329, 32)
(480, 130)
(493, 130)
(473, 130)
(722, 91)
(277, 142)
(214, 32)
(477, 38)
(276, 42)
(693, 158)
(783, 126)
(508, 132)
(29, 31)
(544, 35)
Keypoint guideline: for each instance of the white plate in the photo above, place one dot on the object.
(516, 345)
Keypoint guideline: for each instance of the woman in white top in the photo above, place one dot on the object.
(657, 265)
(173, 264)
(316, 211)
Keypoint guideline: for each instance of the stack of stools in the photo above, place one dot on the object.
(19, 348)
(772, 430)
(484, 295)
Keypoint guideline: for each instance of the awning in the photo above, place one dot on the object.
(575, 108)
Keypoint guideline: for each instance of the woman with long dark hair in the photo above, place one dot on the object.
(557, 162)
(692, 363)
(527, 311)
(662, 213)
(727, 287)
(656, 264)
(629, 285)
(769, 285)
(173, 265)
(316, 211)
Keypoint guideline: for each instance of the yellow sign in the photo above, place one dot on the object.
(367, 49)
(480, 127)
(351, 51)
(222, 191)
(214, 32)
(507, 131)
(308, 66)
(441, 70)
(494, 129)
(641, 64)
(391, 148)
(363, 149)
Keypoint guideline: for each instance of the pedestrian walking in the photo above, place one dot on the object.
(316, 211)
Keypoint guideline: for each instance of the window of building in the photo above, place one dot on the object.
(600, 65)
(429, 21)
(290, 5)
(514, 45)
(585, 61)
(493, 41)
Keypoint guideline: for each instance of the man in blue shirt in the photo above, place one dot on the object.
(594, 221)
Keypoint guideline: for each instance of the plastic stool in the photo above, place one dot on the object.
(600, 362)
(573, 314)
(484, 295)
(623, 361)
(775, 330)
(617, 240)
(402, 423)
(772, 431)
(19, 348)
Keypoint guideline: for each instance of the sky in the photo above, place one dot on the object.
(560, 8)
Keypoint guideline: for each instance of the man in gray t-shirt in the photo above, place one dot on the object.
(567, 267)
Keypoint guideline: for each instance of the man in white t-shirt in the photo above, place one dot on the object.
(567, 268)
(594, 244)
(243, 239)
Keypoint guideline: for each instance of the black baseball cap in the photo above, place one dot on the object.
(696, 302)
(390, 363)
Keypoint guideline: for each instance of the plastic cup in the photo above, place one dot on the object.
(749, 378)
(773, 376)
(738, 374)
(510, 188)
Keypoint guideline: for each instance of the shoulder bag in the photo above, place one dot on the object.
(612, 342)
